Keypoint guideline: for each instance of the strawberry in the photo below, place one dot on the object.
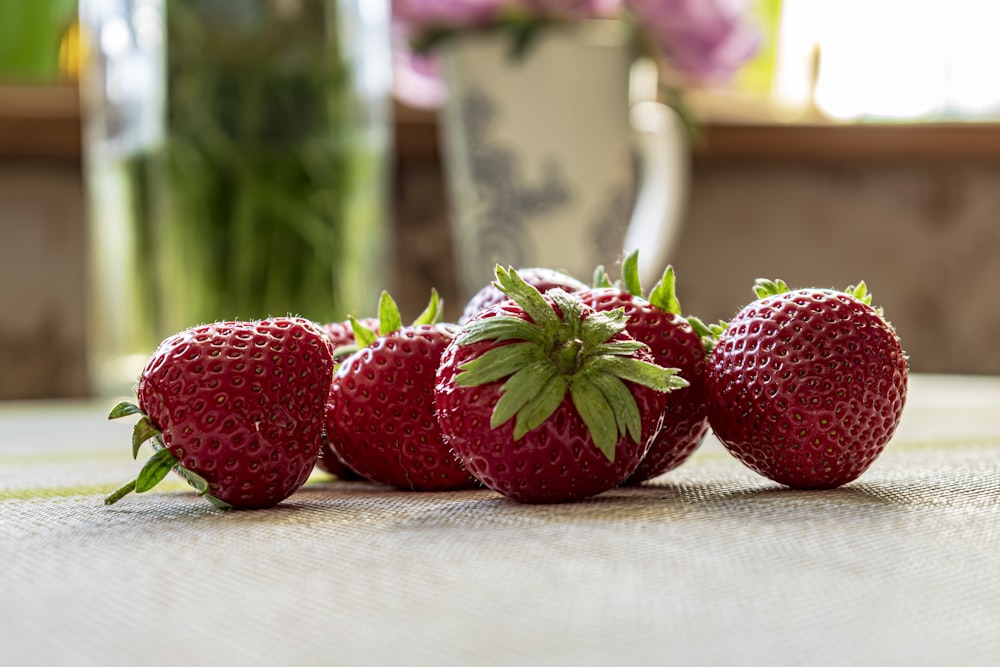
(545, 400)
(673, 342)
(330, 463)
(541, 278)
(806, 386)
(235, 408)
(342, 337)
(381, 418)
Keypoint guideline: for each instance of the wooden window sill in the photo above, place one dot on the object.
(44, 122)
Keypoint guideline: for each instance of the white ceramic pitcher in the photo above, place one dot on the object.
(561, 159)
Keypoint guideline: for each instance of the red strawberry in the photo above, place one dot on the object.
(236, 408)
(674, 343)
(541, 278)
(806, 387)
(545, 400)
(381, 420)
(342, 337)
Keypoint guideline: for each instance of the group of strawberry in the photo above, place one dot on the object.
(547, 390)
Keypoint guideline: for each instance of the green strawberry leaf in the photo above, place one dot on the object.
(630, 274)
(143, 430)
(860, 292)
(764, 288)
(622, 402)
(344, 351)
(389, 319)
(602, 325)
(620, 348)
(432, 313)
(571, 309)
(709, 333)
(664, 293)
(200, 484)
(498, 363)
(363, 336)
(640, 372)
(156, 468)
(596, 413)
(536, 412)
(601, 278)
(124, 409)
(528, 298)
(521, 389)
(500, 329)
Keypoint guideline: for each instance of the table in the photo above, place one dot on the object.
(709, 564)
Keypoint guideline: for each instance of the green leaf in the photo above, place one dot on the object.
(764, 288)
(432, 313)
(523, 36)
(344, 351)
(388, 315)
(144, 430)
(571, 308)
(596, 413)
(622, 402)
(432, 39)
(522, 388)
(216, 502)
(498, 363)
(664, 294)
(709, 333)
(156, 468)
(528, 298)
(621, 348)
(124, 409)
(630, 274)
(536, 412)
(601, 278)
(363, 336)
(602, 326)
(860, 292)
(199, 483)
(640, 372)
(501, 329)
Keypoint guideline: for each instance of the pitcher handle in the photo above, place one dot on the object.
(664, 173)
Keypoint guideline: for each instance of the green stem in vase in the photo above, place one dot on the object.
(263, 162)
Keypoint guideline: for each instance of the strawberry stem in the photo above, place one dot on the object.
(119, 493)
(567, 358)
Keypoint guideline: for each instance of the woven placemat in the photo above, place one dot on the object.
(711, 564)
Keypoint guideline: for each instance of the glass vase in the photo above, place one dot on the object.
(236, 163)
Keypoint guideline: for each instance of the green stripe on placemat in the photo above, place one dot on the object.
(45, 493)
(62, 457)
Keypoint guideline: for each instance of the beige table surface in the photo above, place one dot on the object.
(709, 565)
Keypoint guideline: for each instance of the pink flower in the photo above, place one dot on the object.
(450, 13)
(571, 8)
(707, 39)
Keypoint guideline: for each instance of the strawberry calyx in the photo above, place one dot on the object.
(389, 321)
(664, 292)
(563, 347)
(709, 333)
(764, 288)
(159, 464)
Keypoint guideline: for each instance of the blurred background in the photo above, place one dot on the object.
(861, 141)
